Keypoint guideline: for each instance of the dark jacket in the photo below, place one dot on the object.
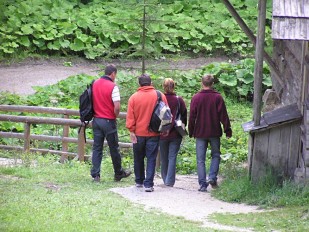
(173, 104)
(207, 111)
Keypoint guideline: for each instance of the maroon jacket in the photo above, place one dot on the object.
(207, 111)
(173, 104)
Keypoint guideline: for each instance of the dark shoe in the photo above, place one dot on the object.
(125, 173)
(169, 185)
(96, 179)
(213, 183)
(149, 189)
(203, 189)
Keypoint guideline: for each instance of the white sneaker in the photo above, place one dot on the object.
(149, 189)
(138, 185)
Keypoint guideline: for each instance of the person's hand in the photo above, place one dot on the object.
(133, 137)
(165, 133)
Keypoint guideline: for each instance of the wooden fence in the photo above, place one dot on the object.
(65, 121)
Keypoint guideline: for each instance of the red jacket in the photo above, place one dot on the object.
(207, 112)
(102, 98)
(140, 107)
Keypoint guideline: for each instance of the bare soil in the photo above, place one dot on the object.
(181, 200)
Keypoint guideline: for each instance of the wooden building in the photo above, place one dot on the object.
(280, 142)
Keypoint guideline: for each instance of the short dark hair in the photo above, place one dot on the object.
(110, 69)
(208, 80)
(144, 80)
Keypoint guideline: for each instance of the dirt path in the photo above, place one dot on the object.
(20, 77)
(181, 200)
(184, 200)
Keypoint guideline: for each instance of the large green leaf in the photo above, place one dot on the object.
(77, 45)
(64, 43)
(227, 79)
(67, 28)
(132, 39)
(26, 29)
(247, 78)
(24, 40)
(219, 39)
(267, 80)
(54, 45)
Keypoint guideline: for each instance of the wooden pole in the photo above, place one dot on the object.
(27, 137)
(258, 69)
(65, 146)
(81, 144)
(253, 39)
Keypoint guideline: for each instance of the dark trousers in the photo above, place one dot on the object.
(105, 128)
(145, 147)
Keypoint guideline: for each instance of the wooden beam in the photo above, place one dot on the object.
(27, 137)
(258, 68)
(46, 110)
(65, 144)
(252, 38)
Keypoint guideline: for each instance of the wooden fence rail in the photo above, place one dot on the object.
(66, 122)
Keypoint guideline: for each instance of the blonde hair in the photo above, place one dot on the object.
(168, 85)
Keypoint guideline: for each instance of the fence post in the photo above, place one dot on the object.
(81, 144)
(65, 133)
(27, 137)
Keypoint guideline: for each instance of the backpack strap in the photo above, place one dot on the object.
(178, 108)
(85, 124)
(159, 96)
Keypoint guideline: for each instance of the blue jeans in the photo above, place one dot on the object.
(201, 148)
(105, 128)
(145, 147)
(168, 154)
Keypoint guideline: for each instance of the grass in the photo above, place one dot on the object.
(61, 197)
(287, 219)
(49, 196)
(286, 204)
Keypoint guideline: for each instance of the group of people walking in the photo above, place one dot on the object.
(207, 113)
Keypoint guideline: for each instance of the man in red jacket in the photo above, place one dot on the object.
(145, 142)
(106, 106)
(207, 113)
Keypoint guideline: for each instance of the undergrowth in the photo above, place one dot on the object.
(268, 192)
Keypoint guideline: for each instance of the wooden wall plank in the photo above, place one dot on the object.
(288, 7)
(305, 4)
(274, 150)
(276, 7)
(259, 157)
(290, 28)
(284, 150)
(291, 8)
(294, 147)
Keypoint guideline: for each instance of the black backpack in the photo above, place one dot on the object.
(161, 118)
(86, 112)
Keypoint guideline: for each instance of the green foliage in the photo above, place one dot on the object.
(267, 192)
(114, 28)
(237, 79)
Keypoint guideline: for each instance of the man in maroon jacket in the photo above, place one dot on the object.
(207, 113)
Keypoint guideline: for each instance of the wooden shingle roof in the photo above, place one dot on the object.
(290, 19)
(272, 118)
